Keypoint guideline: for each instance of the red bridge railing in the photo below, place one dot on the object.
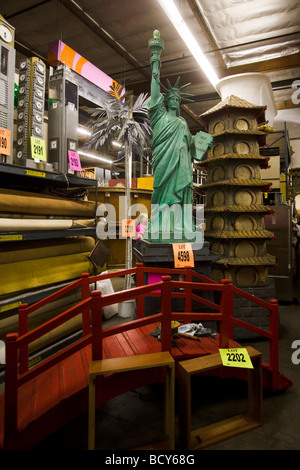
(90, 307)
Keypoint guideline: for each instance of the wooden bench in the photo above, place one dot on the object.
(225, 429)
(139, 362)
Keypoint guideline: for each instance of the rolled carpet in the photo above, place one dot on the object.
(25, 225)
(32, 274)
(23, 202)
(12, 252)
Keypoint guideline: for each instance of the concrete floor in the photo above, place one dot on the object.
(136, 418)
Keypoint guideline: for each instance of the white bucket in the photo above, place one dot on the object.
(253, 87)
(126, 308)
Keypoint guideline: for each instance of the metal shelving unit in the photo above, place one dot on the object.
(12, 176)
(45, 235)
(36, 176)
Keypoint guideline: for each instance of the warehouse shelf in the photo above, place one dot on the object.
(36, 180)
(46, 234)
(281, 138)
(27, 175)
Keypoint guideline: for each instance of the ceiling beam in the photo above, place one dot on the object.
(196, 77)
(191, 114)
(267, 66)
(25, 10)
(206, 31)
(76, 10)
(27, 52)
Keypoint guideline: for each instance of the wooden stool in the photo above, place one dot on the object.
(130, 363)
(208, 435)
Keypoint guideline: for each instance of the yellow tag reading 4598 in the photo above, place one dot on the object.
(236, 357)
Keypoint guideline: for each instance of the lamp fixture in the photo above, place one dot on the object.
(175, 17)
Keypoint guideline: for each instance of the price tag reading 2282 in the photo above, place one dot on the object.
(183, 255)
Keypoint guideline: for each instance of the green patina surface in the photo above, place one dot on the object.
(174, 149)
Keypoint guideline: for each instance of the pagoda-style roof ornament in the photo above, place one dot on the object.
(233, 101)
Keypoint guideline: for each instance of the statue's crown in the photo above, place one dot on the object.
(175, 90)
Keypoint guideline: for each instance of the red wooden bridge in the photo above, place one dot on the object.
(38, 400)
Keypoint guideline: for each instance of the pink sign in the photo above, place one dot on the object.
(74, 161)
(58, 51)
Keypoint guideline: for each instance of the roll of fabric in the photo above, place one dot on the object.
(24, 202)
(12, 252)
(33, 274)
(25, 225)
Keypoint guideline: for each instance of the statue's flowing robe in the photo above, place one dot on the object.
(172, 165)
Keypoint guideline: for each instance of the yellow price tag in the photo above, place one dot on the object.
(183, 255)
(38, 148)
(128, 228)
(236, 357)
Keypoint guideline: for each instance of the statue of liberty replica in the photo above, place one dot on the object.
(174, 149)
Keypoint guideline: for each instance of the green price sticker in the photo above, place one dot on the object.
(236, 357)
(38, 148)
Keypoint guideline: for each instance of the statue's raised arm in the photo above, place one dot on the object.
(173, 149)
(156, 46)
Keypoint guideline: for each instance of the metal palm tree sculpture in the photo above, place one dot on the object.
(126, 122)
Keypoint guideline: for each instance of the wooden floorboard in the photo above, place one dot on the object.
(71, 375)
(113, 348)
(127, 350)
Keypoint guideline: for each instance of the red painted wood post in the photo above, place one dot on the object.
(139, 282)
(11, 391)
(274, 342)
(85, 293)
(188, 292)
(96, 307)
(166, 310)
(226, 330)
(23, 329)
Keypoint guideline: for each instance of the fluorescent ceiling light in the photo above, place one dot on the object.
(116, 144)
(175, 17)
(90, 155)
(83, 131)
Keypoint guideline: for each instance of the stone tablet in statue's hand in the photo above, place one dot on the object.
(201, 142)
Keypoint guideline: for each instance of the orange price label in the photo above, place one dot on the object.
(183, 255)
(128, 228)
(5, 141)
